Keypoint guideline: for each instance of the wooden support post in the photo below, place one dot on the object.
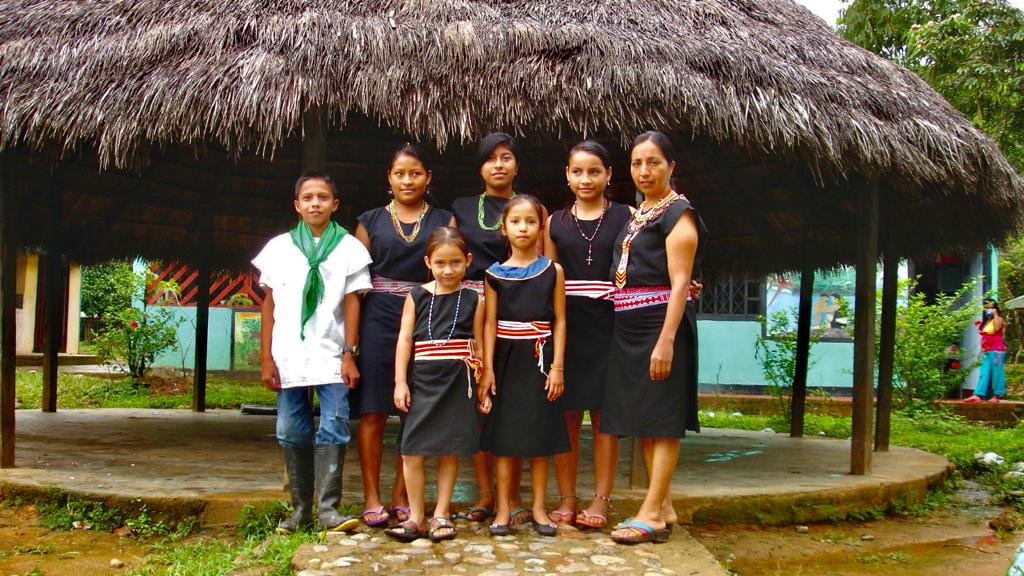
(637, 466)
(887, 342)
(314, 140)
(8, 270)
(54, 293)
(205, 233)
(798, 393)
(864, 329)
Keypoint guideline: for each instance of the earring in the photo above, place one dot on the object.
(391, 193)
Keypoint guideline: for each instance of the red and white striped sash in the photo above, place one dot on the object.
(641, 297)
(391, 286)
(596, 289)
(457, 349)
(475, 285)
(537, 331)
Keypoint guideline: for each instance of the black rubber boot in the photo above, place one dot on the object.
(298, 463)
(330, 464)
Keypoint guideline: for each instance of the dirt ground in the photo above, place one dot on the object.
(25, 546)
(956, 541)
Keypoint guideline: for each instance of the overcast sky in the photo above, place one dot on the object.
(829, 9)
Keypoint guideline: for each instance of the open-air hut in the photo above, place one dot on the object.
(174, 130)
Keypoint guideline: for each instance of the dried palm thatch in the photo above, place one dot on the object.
(780, 121)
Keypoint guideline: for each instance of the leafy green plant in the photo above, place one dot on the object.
(924, 330)
(775, 349)
(260, 521)
(134, 335)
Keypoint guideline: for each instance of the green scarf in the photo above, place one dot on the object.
(315, 253)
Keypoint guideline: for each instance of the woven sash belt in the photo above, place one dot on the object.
(536, 331)
(595, 289)
(389, 286)
(458, 349)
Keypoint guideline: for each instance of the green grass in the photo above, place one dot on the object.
(942, 433)
(100, 391)
(255, 546)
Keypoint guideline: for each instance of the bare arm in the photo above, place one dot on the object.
(363, 236)
(556, 374)
(268, 369)
(478, 341)
(403, 352)
(681, 249)
(349, 371)
(550, 250)
(487, 386)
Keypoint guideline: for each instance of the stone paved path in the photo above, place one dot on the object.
(475, 552)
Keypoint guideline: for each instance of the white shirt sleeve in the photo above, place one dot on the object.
(357, 277)
(264, 262)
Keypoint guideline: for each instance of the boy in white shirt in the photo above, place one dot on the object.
(312, 277)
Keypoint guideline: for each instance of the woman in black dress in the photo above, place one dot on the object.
(479, 220)
(651, 391)
(396, 236)
(581, 238)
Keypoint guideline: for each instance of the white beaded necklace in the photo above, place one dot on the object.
(430, 315)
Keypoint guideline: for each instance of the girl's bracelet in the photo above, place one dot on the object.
(559, 368)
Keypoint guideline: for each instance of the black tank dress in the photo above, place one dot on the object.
(442, 419)
(486, 246)
(380, 316)
(522, 421)
(634, 405)
(589, 318)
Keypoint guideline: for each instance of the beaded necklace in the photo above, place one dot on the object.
(430, 315)
(641, 218)
(480, 215)
(590, 241)
(411, 237)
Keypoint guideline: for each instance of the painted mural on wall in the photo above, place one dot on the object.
(246, 341)
(832, 310)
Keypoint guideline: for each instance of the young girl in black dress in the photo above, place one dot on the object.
(581, 239)
(479, 219)
(396, 236)
(442, 325)
(524, 361)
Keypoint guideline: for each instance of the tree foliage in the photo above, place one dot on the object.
(133, 334)
(924, 331)
(105, 286)
(970, 51)
(1011, 285)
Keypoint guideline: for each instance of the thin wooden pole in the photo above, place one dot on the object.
(864, 329)
(798, 395)
(205, 230)
(637, 465)
(887, 342)
(8, 270)
(54, 292)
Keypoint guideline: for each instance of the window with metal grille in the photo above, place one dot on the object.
(728, 298)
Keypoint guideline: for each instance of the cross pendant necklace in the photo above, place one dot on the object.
(590, 241)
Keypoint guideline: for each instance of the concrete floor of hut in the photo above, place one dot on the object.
(223, 459)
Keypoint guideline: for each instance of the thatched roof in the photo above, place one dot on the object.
(780, 122)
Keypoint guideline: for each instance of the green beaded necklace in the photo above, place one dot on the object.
(480, 214)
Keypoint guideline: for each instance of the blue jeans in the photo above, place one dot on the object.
(993, 372)
(295, 416)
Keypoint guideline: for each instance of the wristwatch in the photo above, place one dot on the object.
(350, 348)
